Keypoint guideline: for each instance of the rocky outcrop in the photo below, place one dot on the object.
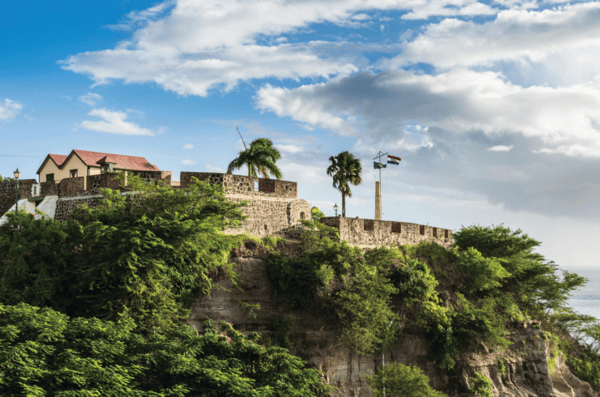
(526, 372)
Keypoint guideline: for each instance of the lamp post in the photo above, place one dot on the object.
(335, 207)
(17, 175)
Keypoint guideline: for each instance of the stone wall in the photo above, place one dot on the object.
(239, 184)
(49, 188)
(70, 187)
(8, 193)
(106, 181)
(371, 232)
(65, 206)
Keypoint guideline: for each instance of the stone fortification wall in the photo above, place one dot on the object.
(65, 206)
(8, 193)
(239, 184)
(371, 232)
(71, 186)
(271, 217)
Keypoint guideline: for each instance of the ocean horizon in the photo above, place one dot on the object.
(586, 300)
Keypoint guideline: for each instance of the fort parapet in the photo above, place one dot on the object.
(272, 209)
(370, 233)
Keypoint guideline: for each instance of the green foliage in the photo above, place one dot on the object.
(398, 380)
(142, 256)
(587, 368)
(316, 213)
(502, 368)
(534, 283)
(480, 386)
(345, 169)
(44, 353)
(5, 179)
(352, 289)
(280, 327)
(260, 158)
(271, 242)
(484, 273)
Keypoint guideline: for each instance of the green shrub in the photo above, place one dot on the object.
(480, 386)
(44, 353)
(142, 256)
(398, 380)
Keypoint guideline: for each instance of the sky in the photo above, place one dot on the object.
(493, 106)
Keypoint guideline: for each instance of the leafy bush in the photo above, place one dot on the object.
(142, 256)
(316, 213)
(398, 380)
(480, 385)
(334, 278)
(44, 353)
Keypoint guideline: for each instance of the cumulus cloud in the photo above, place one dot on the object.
(520, 36)
(501, 148)
(290, 148)
(90, 98)
(458, 101)
(187, 162)
(188, 146)
(9, 109)
(192, 47)
(113, 122)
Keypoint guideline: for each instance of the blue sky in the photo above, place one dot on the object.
(493, 106)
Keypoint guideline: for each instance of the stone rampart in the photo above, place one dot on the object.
(239, 184)
(8, 193)
(371, 232)
(66, 206)
(70, 187)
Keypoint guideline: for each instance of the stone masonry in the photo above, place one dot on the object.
(370, 233)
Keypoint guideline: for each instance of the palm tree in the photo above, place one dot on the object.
(260, 158)
(345, 170)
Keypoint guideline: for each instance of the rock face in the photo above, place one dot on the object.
(526, 361)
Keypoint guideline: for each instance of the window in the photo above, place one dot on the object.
(73, 173)
(302, 215)
(369, 224)
(49, 177)
(422, 231)
(435, 232)
(446, 233)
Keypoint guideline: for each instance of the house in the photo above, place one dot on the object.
(57, 167)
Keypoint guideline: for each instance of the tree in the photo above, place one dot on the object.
(142, 256)
(260, 158)
(398, 380)
(345, 170)
(45, 353)
(316, 213)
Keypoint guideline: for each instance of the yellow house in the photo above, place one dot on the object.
(57, 167)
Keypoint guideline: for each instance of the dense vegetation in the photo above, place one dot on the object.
(491, 278)
(114, 285)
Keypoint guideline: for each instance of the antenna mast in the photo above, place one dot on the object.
(238, 130)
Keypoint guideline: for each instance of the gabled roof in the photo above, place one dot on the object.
(94, 159)
(120, 161)
(58, 159)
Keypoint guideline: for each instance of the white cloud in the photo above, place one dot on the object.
(212, 168)
(114, 123)
(457, 101)
(515, 34)
(191, 47)
(290, 148)
(187, 162)
(90, 98)
(501, 148)
(9, 109)
(188, 146)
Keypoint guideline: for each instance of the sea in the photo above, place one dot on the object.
(586, 300)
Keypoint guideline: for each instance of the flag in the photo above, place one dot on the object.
(393, 160)
(378, 166)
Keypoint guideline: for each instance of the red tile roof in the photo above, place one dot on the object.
(58, 158)
(122, 162)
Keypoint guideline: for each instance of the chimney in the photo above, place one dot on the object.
(377, 201)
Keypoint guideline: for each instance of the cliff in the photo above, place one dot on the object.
(520, 370)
